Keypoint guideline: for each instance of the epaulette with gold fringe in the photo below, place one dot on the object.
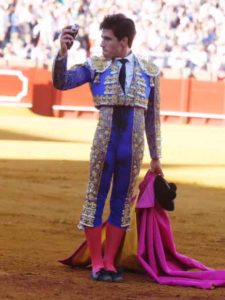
(99, 63)
(149, 67)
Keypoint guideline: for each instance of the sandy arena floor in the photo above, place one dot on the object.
(44, 169)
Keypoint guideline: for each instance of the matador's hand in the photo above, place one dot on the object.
(155, 167)
(66, 39)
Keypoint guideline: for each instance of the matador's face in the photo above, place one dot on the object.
(111, 46)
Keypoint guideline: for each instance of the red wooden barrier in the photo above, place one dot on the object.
(80, 96)
(181, 99)
(174, 96)
(207, 97)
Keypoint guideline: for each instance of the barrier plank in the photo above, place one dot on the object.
(181, 99)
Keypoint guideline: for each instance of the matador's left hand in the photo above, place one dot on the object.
(155, 167)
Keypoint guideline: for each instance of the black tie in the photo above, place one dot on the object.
(122, 74)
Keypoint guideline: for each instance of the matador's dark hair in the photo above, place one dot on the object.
(121, 27)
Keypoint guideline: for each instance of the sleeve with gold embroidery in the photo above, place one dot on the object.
(64, 79)
(152, 120)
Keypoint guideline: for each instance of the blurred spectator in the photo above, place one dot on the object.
(175, 33)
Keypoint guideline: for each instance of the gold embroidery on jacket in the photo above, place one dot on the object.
(153, 122)
(157, 115)
(149, 67)
(137, 156)
(113, 94)
(97, 79)
(99, 63)
(125, 221)
(97, 159)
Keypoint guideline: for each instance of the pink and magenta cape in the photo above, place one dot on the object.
(153, 246)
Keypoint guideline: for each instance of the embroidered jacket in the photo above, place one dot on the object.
(103, 75)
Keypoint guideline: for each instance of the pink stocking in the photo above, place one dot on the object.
(114, 237)
(94, 240)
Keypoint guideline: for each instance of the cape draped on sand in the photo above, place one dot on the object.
(149, 247)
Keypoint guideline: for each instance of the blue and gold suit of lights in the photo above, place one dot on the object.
(118, 144)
